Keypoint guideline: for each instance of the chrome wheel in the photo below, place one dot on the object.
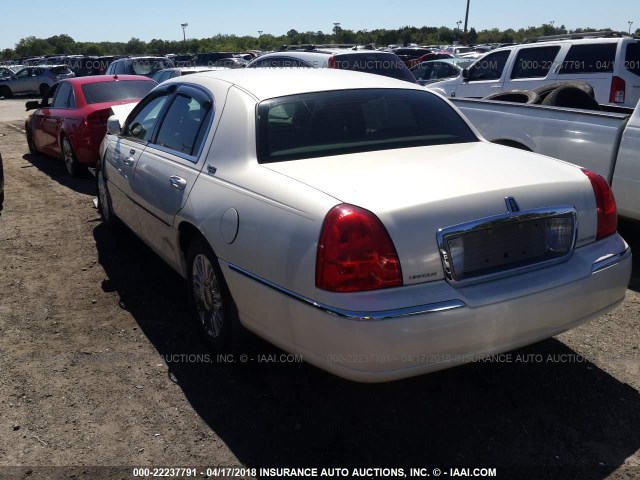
(207, 296)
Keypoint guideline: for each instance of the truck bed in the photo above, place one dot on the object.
(584, 137)
(606, 142)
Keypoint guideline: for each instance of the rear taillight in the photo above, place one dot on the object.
(355, 252)
(96, 119)
(605, 205)
(332, 61)
(618, 88)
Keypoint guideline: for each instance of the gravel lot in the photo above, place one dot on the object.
(94, 370)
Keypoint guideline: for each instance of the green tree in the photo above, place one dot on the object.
(135, 45)
(32, 46)
(62, 44)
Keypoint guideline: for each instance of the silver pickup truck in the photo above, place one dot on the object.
(606, 141)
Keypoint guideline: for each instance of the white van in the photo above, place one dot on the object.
(610, 64)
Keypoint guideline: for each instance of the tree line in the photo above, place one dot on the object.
(65, 45)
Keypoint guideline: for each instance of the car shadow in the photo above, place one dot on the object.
(56, 170)
(630, 231)
(550, 409)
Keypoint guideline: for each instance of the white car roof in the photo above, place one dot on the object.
(265, 83)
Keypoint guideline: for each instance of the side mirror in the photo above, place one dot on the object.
(32, 105)
(465, 74)
(113, 125)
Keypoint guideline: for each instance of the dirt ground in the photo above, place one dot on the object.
(99, 367)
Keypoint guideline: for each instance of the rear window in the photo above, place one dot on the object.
(388, 65)
(632, 58)
(341, 122)
(116, 90)
(590, 58)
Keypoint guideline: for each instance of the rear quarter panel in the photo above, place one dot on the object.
(279, 218)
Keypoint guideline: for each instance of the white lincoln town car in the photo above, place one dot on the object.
(358, 220)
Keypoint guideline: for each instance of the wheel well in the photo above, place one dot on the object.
(187, 233)
(512, 144)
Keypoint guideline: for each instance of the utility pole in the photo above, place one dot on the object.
(466, 21)
(630, 23)
(184, 29)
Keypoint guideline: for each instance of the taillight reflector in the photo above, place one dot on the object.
(605, 205)
(355, 252)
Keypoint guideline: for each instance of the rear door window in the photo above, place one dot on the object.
(589, 58)
(534, 62)
(632, 58)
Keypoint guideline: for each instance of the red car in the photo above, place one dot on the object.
(71, 120)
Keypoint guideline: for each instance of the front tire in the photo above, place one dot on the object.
(105, 207)
(70, 160)
(209, 297)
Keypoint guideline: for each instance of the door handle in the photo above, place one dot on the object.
(178, 182)
(129, 161)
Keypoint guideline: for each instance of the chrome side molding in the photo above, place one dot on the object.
(354, 315)
(610, 261)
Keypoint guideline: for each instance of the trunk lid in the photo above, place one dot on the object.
(418, 191)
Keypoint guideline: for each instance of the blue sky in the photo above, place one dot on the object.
(119, 20)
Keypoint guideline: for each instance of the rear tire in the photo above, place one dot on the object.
(210, 300)
(70, 161)
(7, 93)
(30, 143)
(44, 89)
